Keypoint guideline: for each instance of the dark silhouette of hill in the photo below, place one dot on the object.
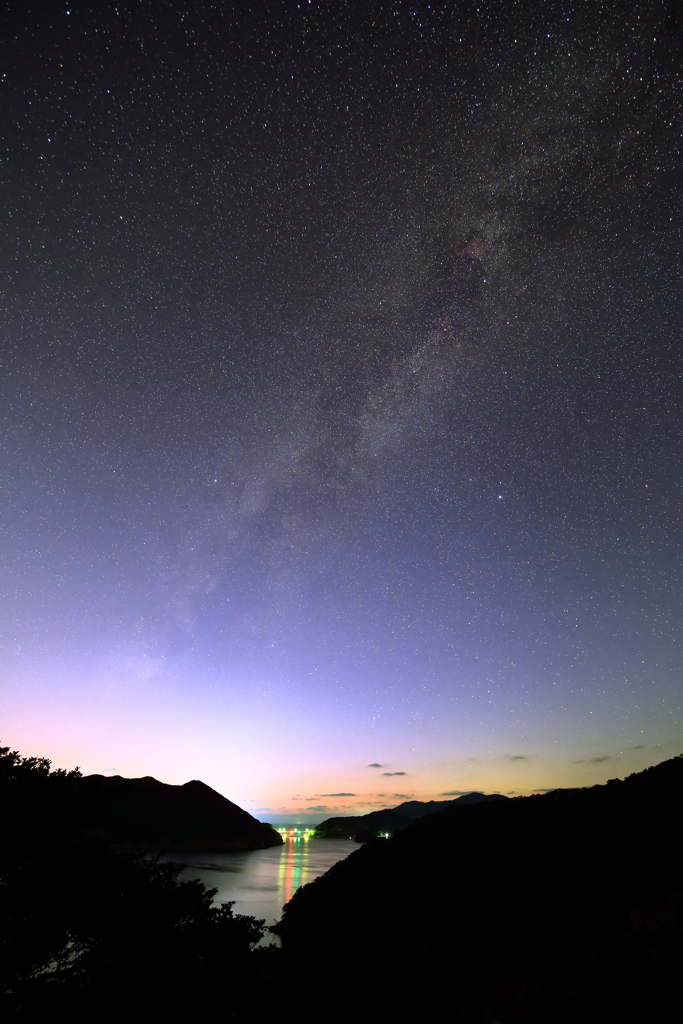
(415, 809)
(142, 814)
(363, 827)
(88, 929)
(560, 907)
(145, 813)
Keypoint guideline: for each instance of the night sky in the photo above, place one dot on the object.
(342, 394)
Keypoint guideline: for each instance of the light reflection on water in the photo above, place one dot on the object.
(262, 881)
(293, 864)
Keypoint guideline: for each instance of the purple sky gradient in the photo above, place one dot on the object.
(341, 397)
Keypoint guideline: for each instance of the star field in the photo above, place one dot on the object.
(341, 394)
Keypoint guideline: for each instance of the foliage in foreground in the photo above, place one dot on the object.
(88, 930)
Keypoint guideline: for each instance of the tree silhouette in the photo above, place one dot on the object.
(86, 926)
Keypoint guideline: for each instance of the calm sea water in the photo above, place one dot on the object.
(262, 881)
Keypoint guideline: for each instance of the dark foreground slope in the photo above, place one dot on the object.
(362, 827)
(561, 907)
(145, 813)
(92, 932)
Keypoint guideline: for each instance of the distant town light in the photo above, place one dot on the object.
(295, 833)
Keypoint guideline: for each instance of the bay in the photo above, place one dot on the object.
(261, 881)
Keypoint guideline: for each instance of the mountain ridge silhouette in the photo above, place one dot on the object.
(363, 827)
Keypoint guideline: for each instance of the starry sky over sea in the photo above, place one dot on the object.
(341, 394)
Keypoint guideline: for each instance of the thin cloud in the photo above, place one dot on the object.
(639, 747)
(328, 795)
(394, 773)
(546, 789)
(402, 796)
(593, 760)
(457, 792)
(375, 765)
(519, 757)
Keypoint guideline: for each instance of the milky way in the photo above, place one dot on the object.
(341, 394)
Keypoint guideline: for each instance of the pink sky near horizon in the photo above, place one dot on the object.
(278, 766)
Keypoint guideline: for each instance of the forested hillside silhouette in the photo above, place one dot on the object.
(363, 827)
(89, 932)
(561, 907)
(148, 814)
